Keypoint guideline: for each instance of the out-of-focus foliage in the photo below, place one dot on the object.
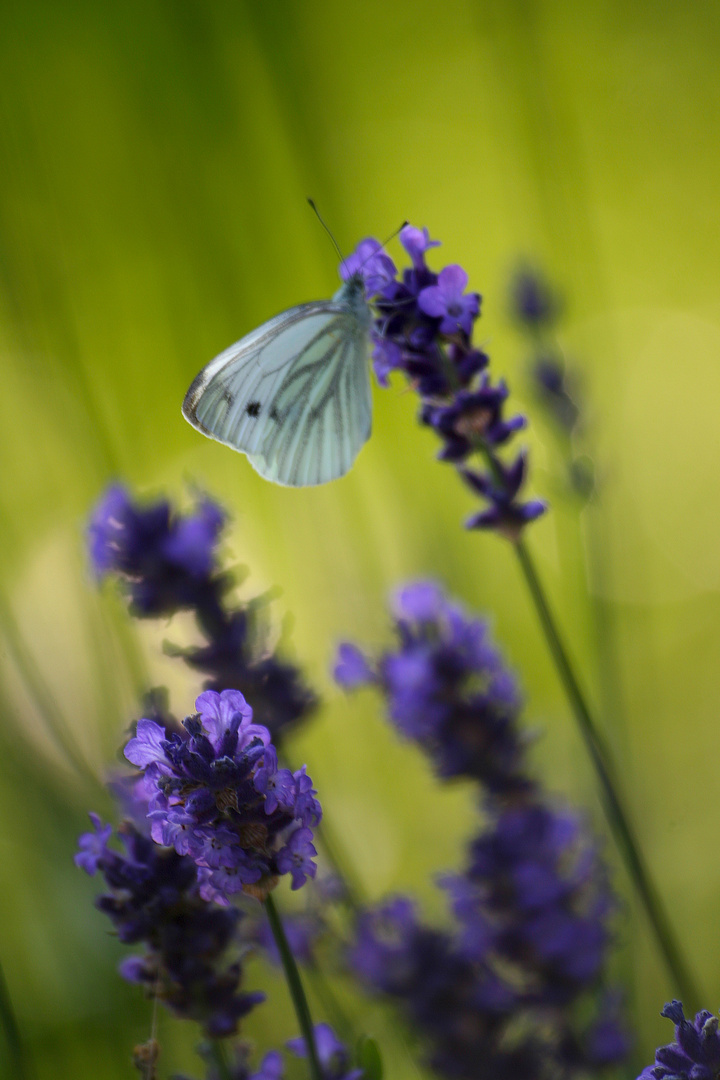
(154, 163)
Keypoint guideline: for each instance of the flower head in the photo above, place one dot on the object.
(216, 794)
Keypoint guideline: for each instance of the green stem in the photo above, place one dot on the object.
(295, 986)
(13, 1040)
(617, 815)
(220, 1058)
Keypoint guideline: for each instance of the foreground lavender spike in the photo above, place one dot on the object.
(168, 562)
(216, 793)
(153, 898)
(695, 1054)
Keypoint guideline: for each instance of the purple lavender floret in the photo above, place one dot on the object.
(168, 562)
(296, 857)
(153, 898)
(695, 1054)
(423, 327)
(472, 415)
(448, 302)
(272, 1067)
(447, 689)
(505, 514)
(217, 795)
(333, 1055)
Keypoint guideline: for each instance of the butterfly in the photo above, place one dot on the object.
(293, 395)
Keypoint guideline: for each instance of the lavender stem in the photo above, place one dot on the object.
(295, 986)
(617, 815)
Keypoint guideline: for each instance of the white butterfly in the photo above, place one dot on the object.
(294, 395)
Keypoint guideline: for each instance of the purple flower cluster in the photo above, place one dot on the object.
(216, 794)
(493, 999)
(153, 898)
(497, 996)
(167, 562)
(424, 327)
(695, 1054)
(447, 688)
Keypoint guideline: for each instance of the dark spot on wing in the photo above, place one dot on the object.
(274, 414)
(227, 396)
(253, 408)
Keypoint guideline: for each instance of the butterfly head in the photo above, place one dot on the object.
(352, 294)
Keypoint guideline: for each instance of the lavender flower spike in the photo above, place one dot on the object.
(424, 328)
(217, 795)
(507, 993)
(168, 562)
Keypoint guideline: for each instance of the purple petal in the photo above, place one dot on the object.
(351, 668)
(146, 747)
(452, 280)
(433, 301)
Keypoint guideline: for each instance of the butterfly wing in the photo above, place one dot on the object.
(294, 395)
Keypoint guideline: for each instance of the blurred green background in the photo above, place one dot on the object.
(155, 159)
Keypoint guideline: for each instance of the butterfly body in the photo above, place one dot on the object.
(294, 395)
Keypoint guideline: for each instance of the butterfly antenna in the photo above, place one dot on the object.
(384, 244)
(394, 234)
(318, 215)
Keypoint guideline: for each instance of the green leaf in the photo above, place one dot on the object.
(369, 1058)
